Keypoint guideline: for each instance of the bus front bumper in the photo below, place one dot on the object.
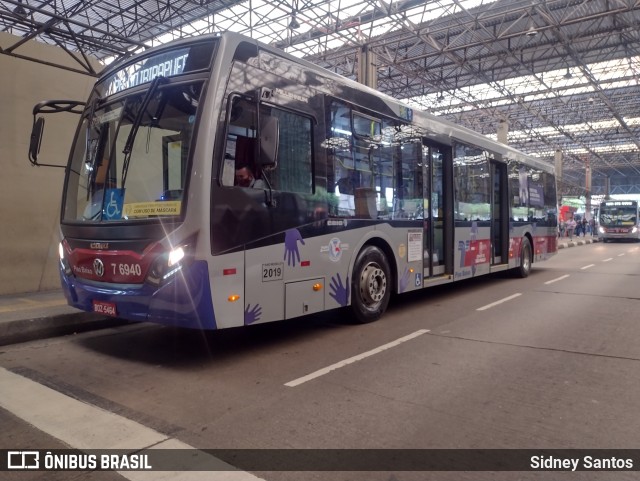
(183, 301)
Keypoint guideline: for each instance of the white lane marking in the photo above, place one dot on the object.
(620, 255)
(82, 426)
(607, 260)
(359, 357)
(557, 279)
(587, 267)
(493, 304)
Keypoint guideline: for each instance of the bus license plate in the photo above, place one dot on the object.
(103, 307)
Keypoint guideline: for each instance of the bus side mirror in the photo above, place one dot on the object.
(48, 107)
(36, 139)
(269, 135)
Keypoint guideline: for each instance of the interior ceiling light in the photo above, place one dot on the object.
(19, 10)
(532, 31)
(568, 74)
(294, 24)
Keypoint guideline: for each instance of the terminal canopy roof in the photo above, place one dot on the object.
(563, 74)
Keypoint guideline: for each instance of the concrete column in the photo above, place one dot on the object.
(367, 69)
(503, 131)
(587, 183)
(558, 162)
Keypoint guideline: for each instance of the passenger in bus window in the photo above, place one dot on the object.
(246, 178)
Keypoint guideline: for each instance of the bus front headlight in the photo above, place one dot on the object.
(169, 264)
(175, 256)
(64, 263)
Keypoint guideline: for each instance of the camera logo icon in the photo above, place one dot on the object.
(23, 460)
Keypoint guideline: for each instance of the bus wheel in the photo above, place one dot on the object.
(525, 259)
(370, 285)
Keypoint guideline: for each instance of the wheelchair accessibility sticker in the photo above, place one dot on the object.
(113, 201)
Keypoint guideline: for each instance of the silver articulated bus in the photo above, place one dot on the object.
(218, 182)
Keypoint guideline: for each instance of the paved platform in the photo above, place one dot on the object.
(565, 242)
(40, 315)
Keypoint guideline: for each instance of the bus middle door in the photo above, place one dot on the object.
(499, 214)
(436, 237)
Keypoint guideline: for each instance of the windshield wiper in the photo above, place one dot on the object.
(128, 146)
(95, 139)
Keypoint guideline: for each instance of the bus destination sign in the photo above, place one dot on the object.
(166, 64)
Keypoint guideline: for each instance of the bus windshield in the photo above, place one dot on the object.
(130, 157)
(618, 215)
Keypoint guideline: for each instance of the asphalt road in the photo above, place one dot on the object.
(547, 362)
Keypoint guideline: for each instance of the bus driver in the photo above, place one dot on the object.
(245, 178)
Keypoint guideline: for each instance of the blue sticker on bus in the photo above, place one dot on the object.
(406, 113)
(113, 201)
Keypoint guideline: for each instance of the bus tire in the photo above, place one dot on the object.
(370, 285)
(524, 269)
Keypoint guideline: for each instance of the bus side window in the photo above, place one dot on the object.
(240, 148)
(244, 155)
(293, 170)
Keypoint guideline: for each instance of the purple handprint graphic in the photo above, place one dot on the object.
(291, 253)
(339, 291)
(252, 315)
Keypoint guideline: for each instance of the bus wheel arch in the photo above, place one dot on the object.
(372, 281)
(526, 258)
